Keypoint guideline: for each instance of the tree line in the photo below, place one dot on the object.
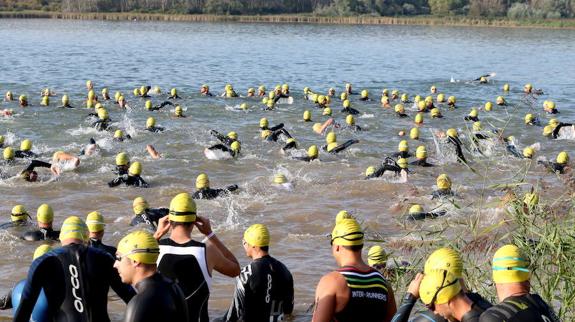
(516, 9)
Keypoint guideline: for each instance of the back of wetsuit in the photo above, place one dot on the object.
(524, 308)
(96, 243)
(264, 292)
(187, 264)
(368, 295)
(41, 234)
(150, 217)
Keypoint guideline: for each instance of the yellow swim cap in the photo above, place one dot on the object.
(23, 98)
(440, 98)
(257, 235)
(510, 265)
(531, 199)
(330, 138)
(280, 179)
(251, 90)
(528, 152)
(415, 209)
(135, 169)
(26, 145)
(235, 146)
(74, 228)
(341, 215)
(1, 139)
(404, 98)
(421, 106)
(563, 157)
(8, 153)
(414, 133)
(264, 122)
(364, 93)
(326, 111)
(270, 103)
(403, 146)
(369, 171)
(65, 100)
(399, 108)
(418, 118)
(202, 181)
(139, 205)
(89, 104)
(439, 287)
(376, 256)
(451, 100)
(150, 122)
(417, 98)
(45, 214)
(444, 259)
(285, 87)
(384, 100)
(343, 96)
(271, 95)
(89, 84)
(118, 134)
(136, 92)
(91, 95)
(443, 182)
(547, 130)
(104, 91)
(473, 112)
(500, 100)
(41, 250)
(98, 106)
(331, 146)
(421, 152)
(349, 120)
(122, 159)
(95, 222)
(45, 101)
(307, 116)
(312, 152)
(506, 87)
(117, 95)
(346, 103)
(553, 122)
(529, 118)
(347, 233)
(488, 106)
(179, 111)
(18, 213)
(140, 246)
(402, 163)
(148, 104)
(183, 208)
(173, 92)
(143, 90)
(477, 126)
(435, 112)
(103, 114)
(528, 87)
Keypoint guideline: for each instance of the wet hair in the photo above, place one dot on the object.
(354, 248)
(184, 224)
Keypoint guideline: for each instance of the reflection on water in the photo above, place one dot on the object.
(62, 55)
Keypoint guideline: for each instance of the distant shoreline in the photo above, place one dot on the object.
(458, 21)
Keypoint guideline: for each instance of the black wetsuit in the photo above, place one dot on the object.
(381, 170)
(512, 149)
(224, 139)
(6, 300)
(155, 129)
(305, 158)
(187, 264)
(553, 166)
(402, 154)
(350, 110)
(457, 144)
(150, 217)
(421, 163)
(66, 106)
(471, 118)
(34, 164)
(41, 234)
(555, 133)
(92, 142)
(401, 115)
(101, 125)
(121, 170)
(402, 315)
(209, 193)
(17, 223)
(224, 148)
(157, 299)
(264, 292)
(173, 97)
(76, 280)
(290, 145)
(354, 128)
(340, 147)
(524, 308)
(24, 154)
(442, 193)
(129, 180)
(426, 215)
(97, 243)
(159, 107)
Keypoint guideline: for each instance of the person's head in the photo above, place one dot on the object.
(256, 241)
(179, 111)
(8, 153)
(136, 256)
(346, 240)
(182, 213)
(446, 259)
(439, 291)
(150, 122)
(139, 205)
(96, 225)
(135, 169)
(202, 181)
(312, 152)
(41, 250)
(122, 161)
(377, 257)
(510, 271)
(73, 231)
(19, 213)
(421, 152)
(45, 216)
(443, 182)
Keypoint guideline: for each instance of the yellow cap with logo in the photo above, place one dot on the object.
(182, 208)
(139, 246)
(74, 228)
(376, 256)
(95, 222)
(347, 232)
(45, 214)
(257, 235)
(438, 287)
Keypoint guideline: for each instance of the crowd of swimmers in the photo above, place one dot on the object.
(163, 274)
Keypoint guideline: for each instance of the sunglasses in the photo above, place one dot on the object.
(359, 236)
(138, 250)
(431, 305)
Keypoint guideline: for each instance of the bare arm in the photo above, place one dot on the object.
(152, 152)
(219, 256)
(325, 299)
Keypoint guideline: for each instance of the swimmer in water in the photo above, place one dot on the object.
(25, 150)
(149, 106)
(400, 111)
(153, 152)
(105, 94)
(389, 165)
(29, 174)
(443, 187)
(416, 212)
(60, 159)
(96, 225)
(530, 119)
(403, 150)
(559, 166)
(90, 148)
(273, 133)
(421, 156)
(350, 124)
(120, 137)
(229, 143)
(65, 102)
(103, 121)
(44, 217)
(151, 126)
(179, 112)
(229, 92)
(348, 109)
(173, 94)
(205, 192)
(143, 214)
(333, 147)
(205, 90)
(18, 218)
(133, 177)
(312, 154)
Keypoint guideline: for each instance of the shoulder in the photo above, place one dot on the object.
(331, 283)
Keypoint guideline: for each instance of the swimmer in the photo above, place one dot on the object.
(251, 92)
(261, 91)
(529, 90)
(472, 116)
(421, 155)
(61, 159)
(149, 106)
(451, 100)
(387, 165)
(105, 94)
(348, 89)
(285, 90)
(511, 148)
(332, 146)
(120, 137)
(173, 94)
(8, 97)
(557, 127)
(65, 102)
(416, 212)
(400, 111)
(312, 154)
(443, 187)
(350, 124)
(151, 125)
(436, 113)
(122, 103)
(23, 101)
(320, 128)
(403, 150)
(179, 112)
(364, 96)
(8, 155)
(103, 121)
(133, 177)
(559, 166)
(96, 225)
(144, 90)
(122, 164)
(18, 218)
(550, 108)
(228, 144)
(273, 133)
(205, 90)
(453, 138)
(205, 192)
(143, 214)
(348, 109)
(530, 119)
(25, 150)
(229, 92)
(152, 152)
(44, 218)
(501, 101)
(331, 92)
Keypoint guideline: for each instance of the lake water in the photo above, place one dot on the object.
(62, 55)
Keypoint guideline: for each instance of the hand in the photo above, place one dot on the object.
(163, 227)
(413, 287)
(203, 225)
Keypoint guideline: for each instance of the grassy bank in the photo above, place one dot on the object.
(352, 20)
